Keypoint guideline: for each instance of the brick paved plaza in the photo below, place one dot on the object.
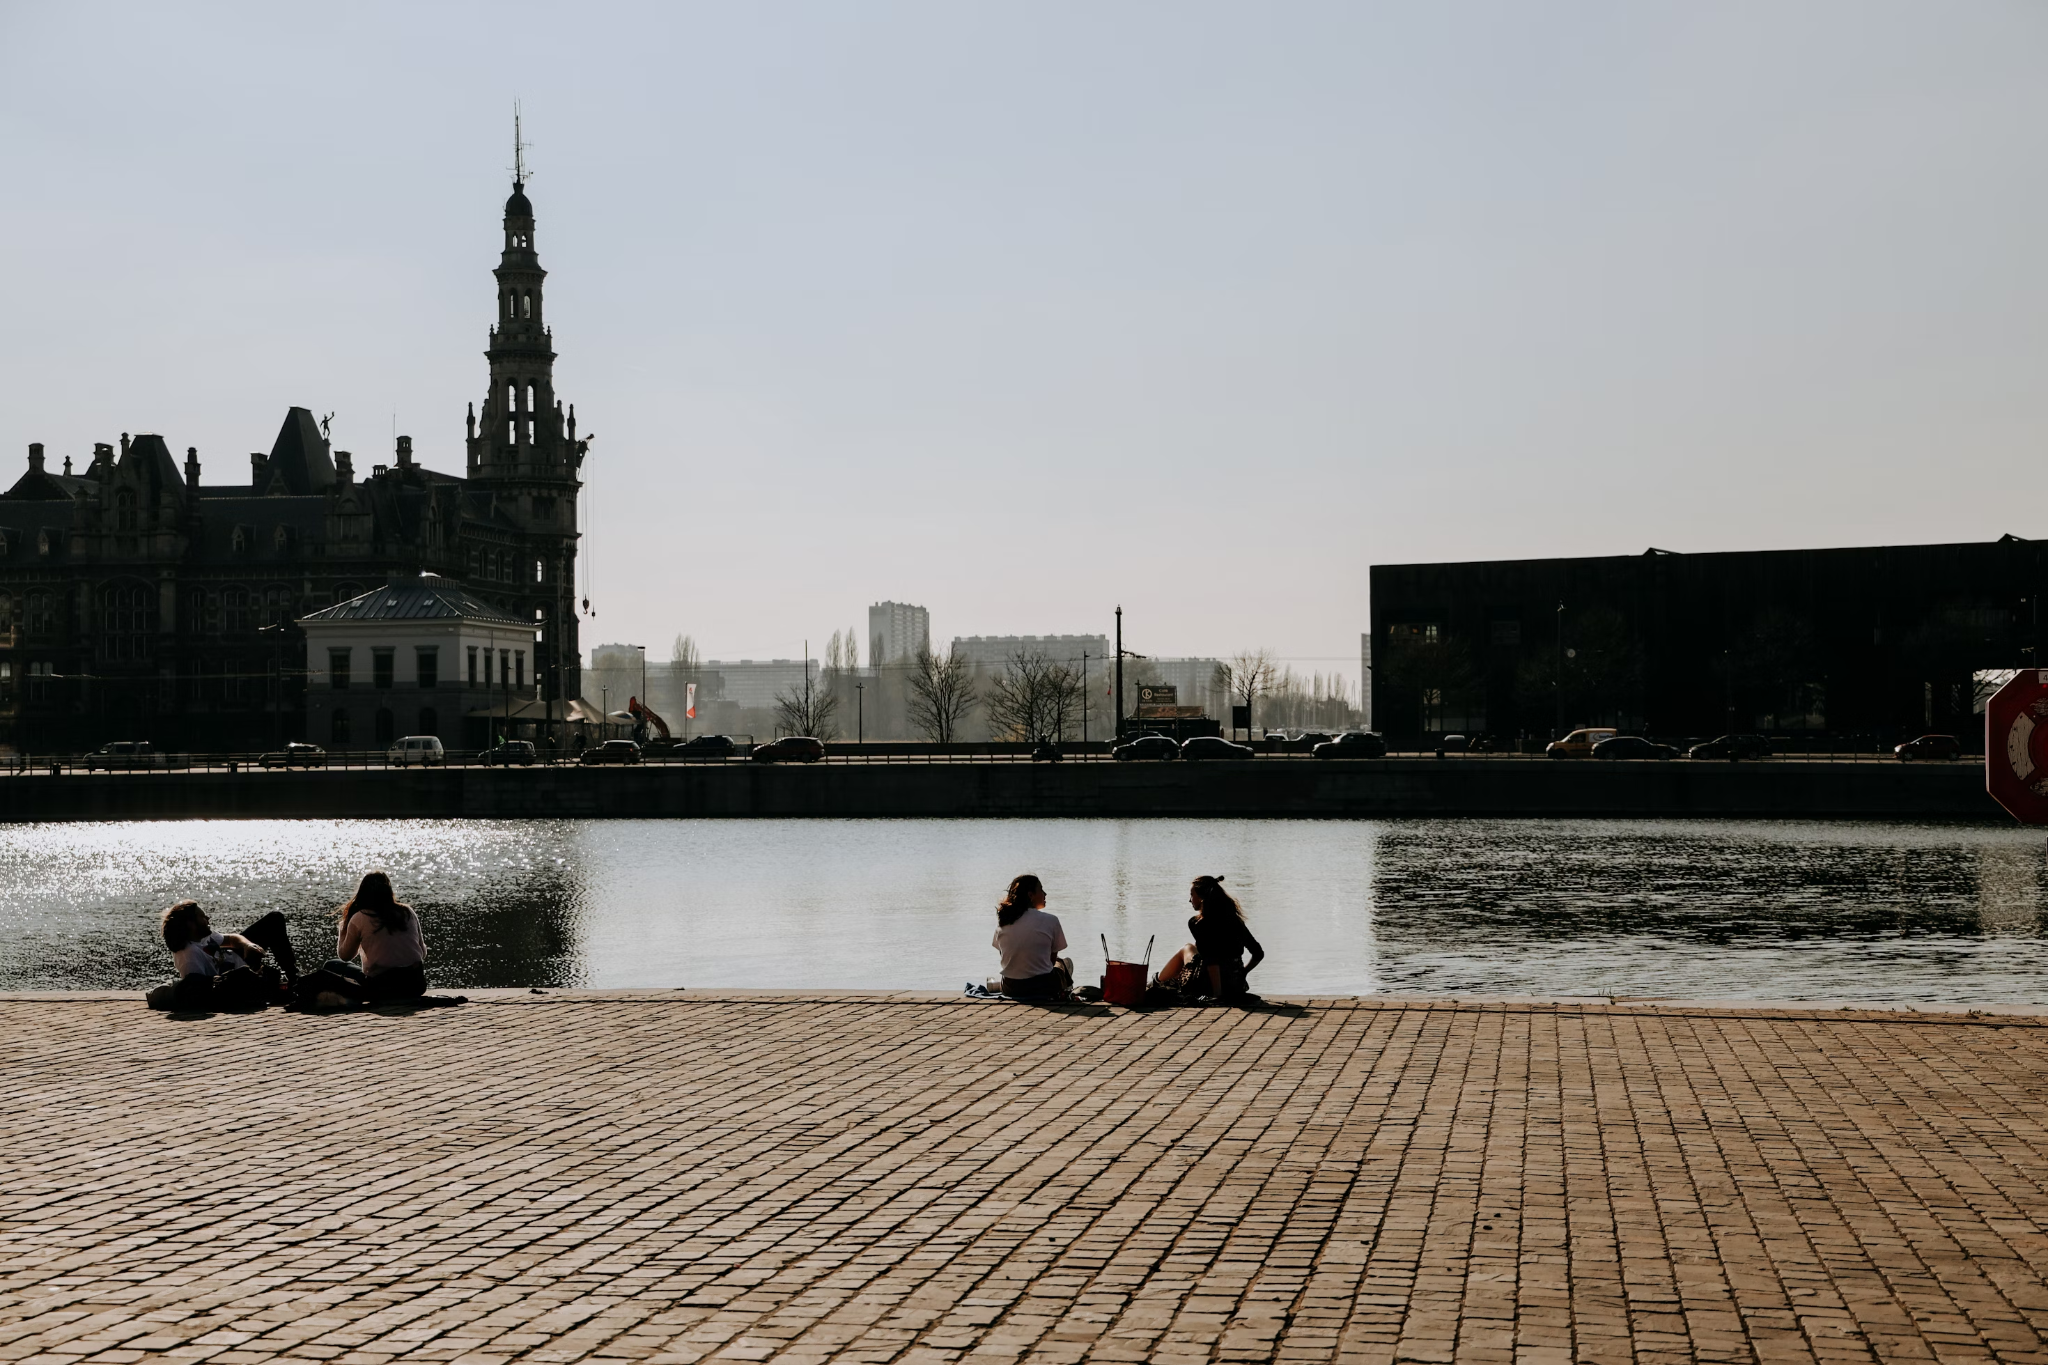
(894, 1178)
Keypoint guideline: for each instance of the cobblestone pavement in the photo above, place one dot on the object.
(881, 1178)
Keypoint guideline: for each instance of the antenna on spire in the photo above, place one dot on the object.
(518, 148)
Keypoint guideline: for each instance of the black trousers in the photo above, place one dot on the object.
(1054, 985)
(269, 933)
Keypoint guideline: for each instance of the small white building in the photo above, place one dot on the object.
(419, 656)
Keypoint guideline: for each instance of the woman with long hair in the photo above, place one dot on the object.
(1030, 941)
(384, 933)
(1213, 965)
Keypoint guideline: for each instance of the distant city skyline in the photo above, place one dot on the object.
(1196, 309)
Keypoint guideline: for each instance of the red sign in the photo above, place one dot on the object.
(2016, 746)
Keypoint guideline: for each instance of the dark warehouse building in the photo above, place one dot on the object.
(1870, 644)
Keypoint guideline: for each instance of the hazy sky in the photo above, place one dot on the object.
(1019, 312)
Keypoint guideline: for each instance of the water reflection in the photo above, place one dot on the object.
(1691, 909)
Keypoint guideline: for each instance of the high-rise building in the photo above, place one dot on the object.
(896, 632)
(993, 652)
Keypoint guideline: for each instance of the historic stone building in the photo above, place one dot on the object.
(140, 601)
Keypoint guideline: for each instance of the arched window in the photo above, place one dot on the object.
(526, 305)
(234, 607)
(277, 604)
(124, 510)
(511, 398)
(337, 729)
(345, 592)
(43, 544)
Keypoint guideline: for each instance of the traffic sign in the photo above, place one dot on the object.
(2016, 746)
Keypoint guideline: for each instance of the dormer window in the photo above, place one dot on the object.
(282, 539)
(43, 544)
(241, 540)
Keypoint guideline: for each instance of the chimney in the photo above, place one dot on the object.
(192, 466)
(124, 445)
(35, 457)
(67, 466)
(257, 461)
(102, 458)
(345, 466)
(405, 452)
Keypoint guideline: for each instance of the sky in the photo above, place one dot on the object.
(1024, 312)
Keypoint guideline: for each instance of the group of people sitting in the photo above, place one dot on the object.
(379, 956)
(1210, 967)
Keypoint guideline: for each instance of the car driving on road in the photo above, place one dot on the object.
(1145, 748)
(295, 755)
(1732, 748)
(518, 751)
(1213, 746)
(1928, 746)
(1352, 744)
(611, 751)
(789, 749)
(1632, 746)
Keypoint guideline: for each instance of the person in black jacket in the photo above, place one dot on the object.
(1213, 965)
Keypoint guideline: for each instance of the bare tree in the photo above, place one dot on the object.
(684, 658)
(1247, 676)
(1034, 698)
(941, 695)
(808, 709)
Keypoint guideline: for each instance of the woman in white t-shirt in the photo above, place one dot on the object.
(1030, 942)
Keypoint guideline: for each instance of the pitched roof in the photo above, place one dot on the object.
(426, 598)
(150, 458)
(300, 456)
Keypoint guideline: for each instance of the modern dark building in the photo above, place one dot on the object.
(139, 601)
(1872, 643)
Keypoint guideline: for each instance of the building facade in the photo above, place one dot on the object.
(897, 633)
(419, 656)
(993, 653)
(138, 600)
(1874, 643)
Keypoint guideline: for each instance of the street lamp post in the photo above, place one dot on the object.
(1558, 733)
(860, 713)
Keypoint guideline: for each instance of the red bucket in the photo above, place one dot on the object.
(1123, 983)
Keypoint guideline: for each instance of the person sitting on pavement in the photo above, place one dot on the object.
(1030, 941)
(1212, 966)
(385, 934)
(225, 971)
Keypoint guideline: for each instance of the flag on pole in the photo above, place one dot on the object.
(690, 701)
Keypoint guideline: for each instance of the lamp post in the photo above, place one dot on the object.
(860, 713)
(1084, 696)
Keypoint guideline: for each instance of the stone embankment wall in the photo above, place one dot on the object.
(1393, 787)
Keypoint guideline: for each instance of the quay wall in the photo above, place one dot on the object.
(1389, 787)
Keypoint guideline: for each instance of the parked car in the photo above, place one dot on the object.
(1145, 747)
(295, 755)
(1277, 742)
(1307, 740)
(611, 751)
(1732, 748)
(125, 753)
(1579, 743)
(789, 749)
(1214, 746)
(1632, 746)
(511, 751)
(425, 750)
(1454, 744)
(1352, 744)
(1928, 746)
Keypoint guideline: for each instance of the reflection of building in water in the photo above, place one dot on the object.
(2009, 889)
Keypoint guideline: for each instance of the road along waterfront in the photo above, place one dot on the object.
(673, 1179)
(1701, 909)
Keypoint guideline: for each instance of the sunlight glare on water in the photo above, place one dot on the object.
(1703, 910)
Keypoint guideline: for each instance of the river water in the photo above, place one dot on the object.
(1675, 909)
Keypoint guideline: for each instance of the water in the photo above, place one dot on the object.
(1698, 909)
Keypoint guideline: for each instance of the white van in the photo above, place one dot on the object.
(421, 749)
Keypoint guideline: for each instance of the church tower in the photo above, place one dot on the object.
(525, 457)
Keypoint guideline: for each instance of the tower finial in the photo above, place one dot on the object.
(518, 149)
